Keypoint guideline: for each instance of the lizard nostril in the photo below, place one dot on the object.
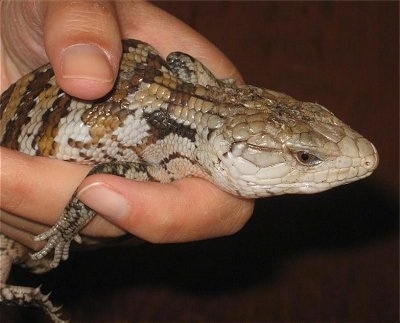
(371, 162)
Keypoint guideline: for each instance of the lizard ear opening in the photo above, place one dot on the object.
(191, 70)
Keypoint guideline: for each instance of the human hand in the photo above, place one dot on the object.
(69, 35)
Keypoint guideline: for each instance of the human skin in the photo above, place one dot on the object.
(81, 39)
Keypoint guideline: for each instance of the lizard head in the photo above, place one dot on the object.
(277, 145)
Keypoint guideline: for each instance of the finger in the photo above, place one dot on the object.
(186, 210)
(21, 230)
(23, 224)
(167, 34)
(157, 216)
(21, 44)
(83, 44)
(37, 188)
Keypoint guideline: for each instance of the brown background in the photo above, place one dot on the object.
(326, 257)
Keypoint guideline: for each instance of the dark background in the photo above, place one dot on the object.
(326, 257)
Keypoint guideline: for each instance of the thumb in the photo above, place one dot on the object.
(185, 210)
(83, 44)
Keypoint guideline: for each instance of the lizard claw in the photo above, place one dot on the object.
(57, 243)
(66, 229)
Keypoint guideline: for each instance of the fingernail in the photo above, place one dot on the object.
(83, 61)
(104, 200)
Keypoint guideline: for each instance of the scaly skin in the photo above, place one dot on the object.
(165, 120)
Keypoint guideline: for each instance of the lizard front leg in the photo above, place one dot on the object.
(77, 215)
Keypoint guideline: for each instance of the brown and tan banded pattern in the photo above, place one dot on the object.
(165, 120)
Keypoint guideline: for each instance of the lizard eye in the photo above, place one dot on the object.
(307, 159)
